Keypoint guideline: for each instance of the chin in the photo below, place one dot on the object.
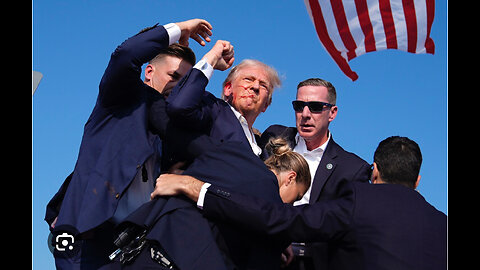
(306, 133)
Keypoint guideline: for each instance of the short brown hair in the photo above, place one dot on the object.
(332, 93)
(176, 50)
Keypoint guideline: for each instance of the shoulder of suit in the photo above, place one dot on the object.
(346, 154)
(209, 99)
(279, 130)
(276, 131)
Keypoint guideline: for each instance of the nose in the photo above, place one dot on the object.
(306, 112)
(255, 86)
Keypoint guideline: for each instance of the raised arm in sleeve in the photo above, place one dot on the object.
(122, 75)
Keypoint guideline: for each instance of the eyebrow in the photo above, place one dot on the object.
(250, 75)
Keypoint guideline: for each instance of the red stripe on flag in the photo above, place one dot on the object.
(388, 24)
(411, 22)
(322, 33)
(343, 30)
(429, 45)
(366, 25)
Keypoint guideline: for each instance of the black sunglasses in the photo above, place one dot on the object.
(313, 106)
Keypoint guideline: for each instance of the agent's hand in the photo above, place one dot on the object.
(173, 184)
(221, 56)
(195, 29)
(287, 257)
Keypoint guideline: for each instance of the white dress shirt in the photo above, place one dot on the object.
(173, 31)
(313, 159)
(248, 132)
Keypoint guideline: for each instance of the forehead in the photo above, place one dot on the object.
(312, 93)
(253, 71)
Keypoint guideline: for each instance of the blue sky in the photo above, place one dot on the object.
(397, 93)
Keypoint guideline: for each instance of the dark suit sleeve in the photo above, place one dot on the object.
(53, 206)
(122, 75)
(363, 174)
(321, 221)
(157, 117)
(188, 104)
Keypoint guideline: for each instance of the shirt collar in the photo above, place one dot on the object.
(248, 132)
(237, 113)
(301, 146)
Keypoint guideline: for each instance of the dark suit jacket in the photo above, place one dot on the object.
(383, 226)
(117, 139)
(344, 166)
(194, 243)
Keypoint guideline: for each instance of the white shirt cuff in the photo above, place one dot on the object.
(204, 67)
(201, 196)
(173, 31)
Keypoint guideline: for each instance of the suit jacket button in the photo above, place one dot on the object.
(117, 195)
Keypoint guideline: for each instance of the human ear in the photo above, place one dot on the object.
(375, 174)
(333, 113)
(291, 178)
(227, 89)
(149, 69)
(418, 181)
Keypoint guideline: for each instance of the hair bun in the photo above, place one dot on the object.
(277, 146)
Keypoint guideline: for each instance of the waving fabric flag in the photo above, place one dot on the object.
(350, 28)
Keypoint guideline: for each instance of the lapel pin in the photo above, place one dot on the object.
(329, 166)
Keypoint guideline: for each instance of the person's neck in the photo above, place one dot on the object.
(248, 115)
(250, 120)
(317, 142)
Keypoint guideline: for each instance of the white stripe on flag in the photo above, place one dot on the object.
(400, 25)
(332, 28)
(377, 24)
(421, 14)
(354, 26)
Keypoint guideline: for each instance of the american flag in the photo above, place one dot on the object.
(349, 28)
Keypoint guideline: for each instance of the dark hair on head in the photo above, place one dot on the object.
(176, 50)
(332, 93)
(398, 160)
(282, 158)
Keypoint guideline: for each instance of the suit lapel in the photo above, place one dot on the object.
(236, 133)
(324, 170)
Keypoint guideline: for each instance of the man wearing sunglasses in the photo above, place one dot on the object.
(329, 163)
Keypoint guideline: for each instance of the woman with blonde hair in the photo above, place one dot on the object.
(291, 169)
